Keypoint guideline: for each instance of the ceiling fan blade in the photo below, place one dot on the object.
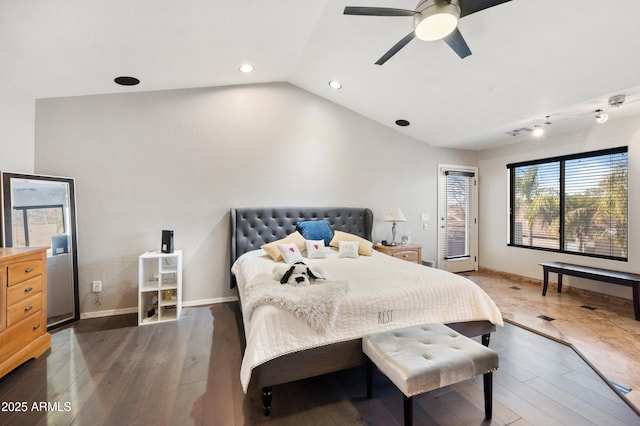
(457, 43)
(377, 11)
(396, 47)
(467, 7)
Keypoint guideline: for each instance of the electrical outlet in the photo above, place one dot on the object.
(97, 286)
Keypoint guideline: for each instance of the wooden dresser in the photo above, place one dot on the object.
(408, 252)
(23, 306)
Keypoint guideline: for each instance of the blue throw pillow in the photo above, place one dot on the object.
(316, 230)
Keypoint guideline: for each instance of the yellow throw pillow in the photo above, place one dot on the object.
(365, 247)
(272, 248)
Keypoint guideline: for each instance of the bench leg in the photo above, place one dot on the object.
(546, 280)
(636, 301)
(369, 378)
(559, 282)
(408, 410)
(488, 394)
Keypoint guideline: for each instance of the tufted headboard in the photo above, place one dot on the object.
(253, 227)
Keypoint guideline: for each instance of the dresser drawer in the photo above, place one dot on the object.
(409, 255)
(21, 335)
(23, 309)
(21, 271)
(19, 292)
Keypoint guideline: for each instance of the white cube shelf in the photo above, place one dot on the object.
(159, 287)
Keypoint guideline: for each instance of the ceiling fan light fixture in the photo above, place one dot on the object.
(436, 20)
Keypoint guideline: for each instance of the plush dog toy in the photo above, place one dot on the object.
(298, 274)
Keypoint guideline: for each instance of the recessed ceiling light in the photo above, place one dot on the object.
(335, 84)
(246, 68)
(402, 123)
(126, 81)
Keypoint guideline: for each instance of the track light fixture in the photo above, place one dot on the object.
(613, 102)
(538, 131)
(601, 117)
(616, 100)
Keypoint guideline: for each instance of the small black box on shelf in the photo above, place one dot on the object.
(167, 241)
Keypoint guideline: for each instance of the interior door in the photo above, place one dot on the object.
(457, 218)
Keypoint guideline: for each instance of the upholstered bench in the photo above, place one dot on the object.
(427, 357)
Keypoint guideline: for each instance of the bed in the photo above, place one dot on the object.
(281, 347)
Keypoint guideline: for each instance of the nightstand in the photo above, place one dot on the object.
(408, 252)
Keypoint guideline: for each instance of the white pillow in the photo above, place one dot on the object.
(290, 253)
(348, 248)
(366, 246)
(315, 249)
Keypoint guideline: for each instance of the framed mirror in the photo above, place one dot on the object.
(41, 211)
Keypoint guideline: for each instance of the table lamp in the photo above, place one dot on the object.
(394, 215)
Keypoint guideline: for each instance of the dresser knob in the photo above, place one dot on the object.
(37, 326)
(28, 308)
(28, 289)
(29, 270)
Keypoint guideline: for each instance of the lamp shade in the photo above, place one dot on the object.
(395, 215)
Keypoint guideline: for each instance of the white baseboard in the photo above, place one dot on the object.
(209, 301)
(123, 311)
(108, 313)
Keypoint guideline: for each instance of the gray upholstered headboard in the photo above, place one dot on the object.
(253, 227)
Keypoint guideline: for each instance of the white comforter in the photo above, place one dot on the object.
(384, 293)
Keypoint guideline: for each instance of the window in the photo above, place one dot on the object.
(572, 204)
(458, 219)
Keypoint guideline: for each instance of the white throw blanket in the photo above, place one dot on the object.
(316, 304)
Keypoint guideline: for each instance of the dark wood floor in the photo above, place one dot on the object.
(108, 371)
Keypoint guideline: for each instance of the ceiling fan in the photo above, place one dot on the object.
(432, 20)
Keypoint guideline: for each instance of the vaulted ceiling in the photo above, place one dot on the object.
(531, 58)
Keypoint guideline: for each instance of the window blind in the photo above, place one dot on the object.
(574, 204)
(457, 237)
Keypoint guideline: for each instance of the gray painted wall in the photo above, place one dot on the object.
(180, 159)
(17, 118)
